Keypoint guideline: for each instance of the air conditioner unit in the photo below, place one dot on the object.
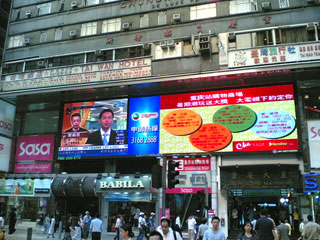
(266, 6)
(41, 64)
(170, 43)
(163, 44)
(146, 46)
(126, 26)
(74, 4)
(310, 27)
(27, 41)
(73, 33)
(232, 37)
(28, 13)
(176, 17)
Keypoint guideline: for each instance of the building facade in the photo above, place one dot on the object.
(227, 88)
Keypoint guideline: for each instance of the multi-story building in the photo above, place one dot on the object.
(224, 87)
(4, 10)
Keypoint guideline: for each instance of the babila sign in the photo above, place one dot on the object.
(121, 184)
(124, 183)
(35, 148)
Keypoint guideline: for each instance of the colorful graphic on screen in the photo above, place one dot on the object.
(251, 119)
(97, 128)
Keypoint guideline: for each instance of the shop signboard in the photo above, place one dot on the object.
(16, 187)
(42, 187)
(274, 55)
(81, 74)
(314, 142)
(35, 148)
(7, 113)
(124, 184)
(311, 183)
(194, 175)
(128, 197)
(5, 153)
(32, 168)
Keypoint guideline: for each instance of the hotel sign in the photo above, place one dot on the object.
(81, 74)
(274, 55)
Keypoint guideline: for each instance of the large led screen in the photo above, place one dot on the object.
(91, 129)
(251, 119)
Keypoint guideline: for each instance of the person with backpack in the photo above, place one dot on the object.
(166, 231)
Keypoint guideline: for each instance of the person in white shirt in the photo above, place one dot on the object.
(191, 227)
(96, 227)
(178, 225)
(118, 225)
(166, 231)
(141, 225)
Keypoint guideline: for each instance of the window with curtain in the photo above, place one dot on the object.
(242, 6)
(162, 18)
(203, 11)
(89, 28)
(284, 3)
(16, 41)
(144, 20)
(44, 8)
(111, 25)
(294, 35)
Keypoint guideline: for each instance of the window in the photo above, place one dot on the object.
(144, 20)
(13, 67)
(16, 41)
(284, 3)
(66, 60)
(162, 18)
(242, 6)
(131, 52)
(91, 2)
(44, 8)
(88, 29)
(246, 40)
(100, 56)
(58, 34)
(284, 35)
(111, 25)
(203, 11)
(168, 52)
(61, 6)
(43, 37)
(31, 65)
(40, 122)
(17, 14)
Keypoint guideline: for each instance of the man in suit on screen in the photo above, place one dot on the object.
(75, 120)
(105, 135)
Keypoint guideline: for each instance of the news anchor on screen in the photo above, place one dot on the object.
(75, 122)
(105, 135)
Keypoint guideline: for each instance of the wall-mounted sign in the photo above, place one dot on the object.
(5, 153)
(314, 142)
(274, 55)
(35, 148)
(111, 184)
(128, 197)
(7, 113)
(32, 167)
(194, 175)
(90, 73)
(19, 187)
(311, 183)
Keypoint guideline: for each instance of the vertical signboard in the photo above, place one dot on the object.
(5, 153)
(144, 125)
(314, 143)
(7, 112)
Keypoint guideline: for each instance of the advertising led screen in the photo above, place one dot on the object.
(97, 128)
(251, 119)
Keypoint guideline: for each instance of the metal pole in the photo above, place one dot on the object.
(207, 199)
(164, 167)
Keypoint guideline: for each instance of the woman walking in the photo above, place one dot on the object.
(126, 231)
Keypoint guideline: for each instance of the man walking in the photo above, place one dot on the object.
(265, 227)
(214, 233)
(191, 227)
(311, 230)
(283, 230)
(96, 227)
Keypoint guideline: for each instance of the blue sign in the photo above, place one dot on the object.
(311, 183)
(144, 120)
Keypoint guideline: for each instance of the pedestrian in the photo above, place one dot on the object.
(40, 223)
(178, 225)
(283, 230)
(141, 224)
(118, 225)
(247, 233)
(301, 226)
(296, 219)
(86, 219)
(235, 220)
(166, 231)
(214, 233)
(2, 231)
(81, 224)
(151, 222)
(57, 220)
(68, 228)
(191, 227)
(265, 227)
(46, 223)
(136, 216)
(286, 222)
(155, 235)
(52, 226)
(96, 227)
(202, 228)
(12, 221)
(126, 231)
(311, 230)
(77, 228)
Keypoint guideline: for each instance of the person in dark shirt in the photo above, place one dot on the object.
(75, 122)
(265, 227)
(68, 229)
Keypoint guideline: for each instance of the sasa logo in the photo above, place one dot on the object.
(34, 149)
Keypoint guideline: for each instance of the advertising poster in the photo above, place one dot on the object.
(96, 128)
(18, 187)
(314, 142)
(194, 174)
(251, 119)
(144, 125)
(34, 148)
(7, 113)
(5, 153)
(32, 168)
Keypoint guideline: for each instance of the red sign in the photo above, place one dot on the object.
(266, 145)
(35, 148)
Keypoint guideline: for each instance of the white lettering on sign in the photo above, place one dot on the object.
(121, 184)
(34, 149)
(5, 125)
